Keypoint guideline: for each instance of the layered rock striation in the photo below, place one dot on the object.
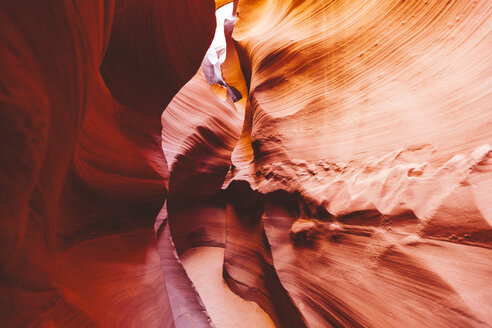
(317, 164)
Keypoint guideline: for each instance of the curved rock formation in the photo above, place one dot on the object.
(83, 176)
(329, 163)
(373, 118)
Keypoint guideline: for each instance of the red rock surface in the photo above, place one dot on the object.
(83, 178)
(341, 163)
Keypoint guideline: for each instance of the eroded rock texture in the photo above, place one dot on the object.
(373, 118)
(328, 162)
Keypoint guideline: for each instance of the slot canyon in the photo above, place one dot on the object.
(246, 163)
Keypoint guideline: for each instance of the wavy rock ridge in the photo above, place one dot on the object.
(320, 164)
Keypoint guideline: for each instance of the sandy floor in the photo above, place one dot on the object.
(204, 267)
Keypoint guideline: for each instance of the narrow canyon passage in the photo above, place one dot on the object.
(226, 309)
(246, 163)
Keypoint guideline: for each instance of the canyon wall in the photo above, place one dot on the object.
(336, 155)
(361, 181)
(375, 118)
(83, 86)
